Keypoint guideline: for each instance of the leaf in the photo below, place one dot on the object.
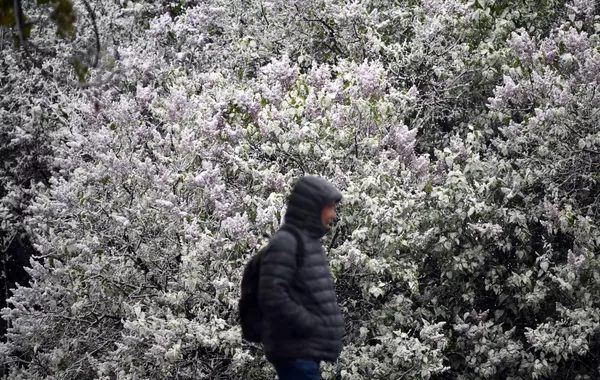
(81, 70)
(376, 291)
(428, 187)
(498, 314)
(27, 30)
(64, 17)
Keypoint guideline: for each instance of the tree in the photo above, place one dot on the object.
(462, 134)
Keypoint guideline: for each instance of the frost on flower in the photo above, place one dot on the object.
(236, 226)
(522, 45)
(280, 71)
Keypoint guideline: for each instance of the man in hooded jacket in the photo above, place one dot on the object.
(302, 323)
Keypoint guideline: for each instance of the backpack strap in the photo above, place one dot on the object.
(299, 243)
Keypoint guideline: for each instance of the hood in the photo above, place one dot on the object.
(306, 201)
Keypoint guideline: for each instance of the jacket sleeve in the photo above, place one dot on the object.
(277, 272)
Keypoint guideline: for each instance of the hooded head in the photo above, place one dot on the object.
(306, 202)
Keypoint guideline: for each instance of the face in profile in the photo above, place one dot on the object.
(328, 214)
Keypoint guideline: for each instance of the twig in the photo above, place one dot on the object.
(93, 18)
(335, 235)
(263, 14)
(591, 151)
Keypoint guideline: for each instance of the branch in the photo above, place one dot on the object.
(19, 22)
(5, 245)
(335, 236)
(263, 14)
(331, 31)
(291, 157)
(22, 40)
(93, 18)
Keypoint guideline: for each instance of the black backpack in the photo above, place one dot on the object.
(250, 314)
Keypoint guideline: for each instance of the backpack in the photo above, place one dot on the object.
(249, 310)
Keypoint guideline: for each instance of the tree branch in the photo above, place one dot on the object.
(93, 18)
(19, 22)
(262, 12)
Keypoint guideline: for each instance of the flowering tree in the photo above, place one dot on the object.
(40, 74)
(464, 138)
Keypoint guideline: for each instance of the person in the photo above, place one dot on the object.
(302, 323)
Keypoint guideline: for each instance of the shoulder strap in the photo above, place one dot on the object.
(299, 243)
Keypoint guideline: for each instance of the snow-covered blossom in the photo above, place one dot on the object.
(463, 135)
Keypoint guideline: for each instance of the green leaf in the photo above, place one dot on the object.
(81, 70)
(27, 30)
(428, 188)
(64, 17)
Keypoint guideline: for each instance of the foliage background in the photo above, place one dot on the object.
(147, 149)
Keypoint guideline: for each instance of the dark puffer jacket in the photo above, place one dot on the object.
(301, 317)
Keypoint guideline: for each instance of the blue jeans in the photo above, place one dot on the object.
(298, 370)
